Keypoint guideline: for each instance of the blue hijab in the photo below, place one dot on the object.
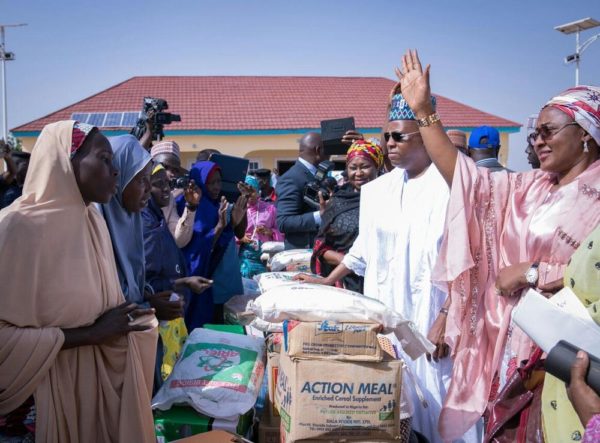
(126, 229)
(201, 256)
(198, 250)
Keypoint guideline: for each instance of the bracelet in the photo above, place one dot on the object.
(444, 311)
(429, 120)
(191, 207)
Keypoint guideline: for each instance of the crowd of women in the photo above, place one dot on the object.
(104, 268)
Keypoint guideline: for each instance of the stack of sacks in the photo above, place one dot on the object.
(293, 260)
(334, 381)
(214, 384)
(269, 280)
(270, 248)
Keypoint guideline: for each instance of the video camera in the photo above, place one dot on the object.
(180, 182)
(319, 184)
(159, 119)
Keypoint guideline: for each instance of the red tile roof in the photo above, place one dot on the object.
(263, 103)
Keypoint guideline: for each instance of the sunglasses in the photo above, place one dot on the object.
(398, 137)
(546, 133)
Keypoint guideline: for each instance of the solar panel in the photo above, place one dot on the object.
(113, 119)
(107, 119)
(96, 119)
(80, 116)
(130, 119)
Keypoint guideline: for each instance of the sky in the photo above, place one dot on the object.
(503, 57)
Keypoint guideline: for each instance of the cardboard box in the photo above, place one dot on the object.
(272, 373)
(274, 344)
(268, 430)
(330, 399)
(183, 421)
(329, 339)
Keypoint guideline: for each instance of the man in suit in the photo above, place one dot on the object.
(298, 221)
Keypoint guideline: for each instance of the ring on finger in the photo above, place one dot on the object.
(130, 317)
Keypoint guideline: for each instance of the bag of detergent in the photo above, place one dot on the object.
(219, 374)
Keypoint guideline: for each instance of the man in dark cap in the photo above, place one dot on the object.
(267, 192)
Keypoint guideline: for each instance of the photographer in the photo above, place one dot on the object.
(150, 126)
(167, 154)
(295, 218)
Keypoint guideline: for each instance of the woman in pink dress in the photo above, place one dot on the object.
(262, 227)
(505, 232)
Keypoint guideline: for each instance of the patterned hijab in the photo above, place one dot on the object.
(367, 149)
(582, 104)
(80, 133)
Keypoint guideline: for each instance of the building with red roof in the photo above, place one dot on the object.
(260, 118)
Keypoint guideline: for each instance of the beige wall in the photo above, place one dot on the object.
(267, 149)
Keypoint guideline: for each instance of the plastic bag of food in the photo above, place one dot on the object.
(309, 302)
(273, 247)
(270, 280)
(292, 260)
(219, 374)
(250, 287)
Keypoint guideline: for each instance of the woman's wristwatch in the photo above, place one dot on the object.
(532, 275)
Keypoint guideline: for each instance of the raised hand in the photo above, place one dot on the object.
(414, 82)
(222, 213)
(351, 136)
(192, 194)
(238, 211)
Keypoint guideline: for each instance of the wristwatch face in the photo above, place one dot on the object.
(532, 276)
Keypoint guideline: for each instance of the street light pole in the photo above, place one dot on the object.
(4, 57)
(4, 98)
(577, 57)
(575, 28)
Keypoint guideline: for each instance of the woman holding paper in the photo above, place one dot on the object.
(505, 232)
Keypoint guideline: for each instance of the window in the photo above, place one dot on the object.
(253, 165)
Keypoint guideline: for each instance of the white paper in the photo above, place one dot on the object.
(562, 317)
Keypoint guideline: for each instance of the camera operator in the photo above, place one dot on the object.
(150, 126)
(167, 154)
(297, 220)
(148, 136)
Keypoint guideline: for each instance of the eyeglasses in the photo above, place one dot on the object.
(398, 137)
(546, 133)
